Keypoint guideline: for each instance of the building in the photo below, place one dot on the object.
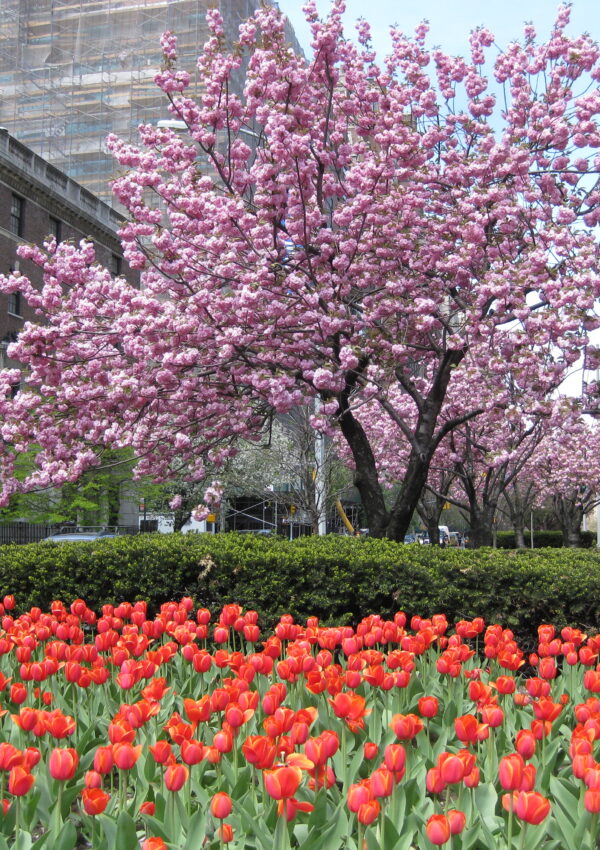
(73, 71)
(36, 200)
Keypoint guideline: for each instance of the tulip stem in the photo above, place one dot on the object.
(281, 833)
(510, 822)
(360, 836)
(594, 829)
(122, 790)
(522, 839)
(58, 810)
(17, 817)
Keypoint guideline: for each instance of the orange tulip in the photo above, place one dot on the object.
(282, 782)
(94, 800)
(154, 843)
(19, 781)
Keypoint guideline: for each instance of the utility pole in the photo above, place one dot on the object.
(320, 482)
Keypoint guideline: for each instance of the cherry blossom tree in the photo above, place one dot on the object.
(566, 470)
(343, 229)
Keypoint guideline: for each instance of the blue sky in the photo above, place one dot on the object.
(452, 20)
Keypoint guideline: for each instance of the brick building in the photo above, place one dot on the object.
(37, 200)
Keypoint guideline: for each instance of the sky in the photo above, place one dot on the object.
(451, 20)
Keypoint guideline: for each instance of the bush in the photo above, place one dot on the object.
(543, 539)
(338, 579)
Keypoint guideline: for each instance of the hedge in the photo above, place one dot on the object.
(543, 539)
(338, 579)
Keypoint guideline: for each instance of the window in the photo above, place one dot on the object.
(55, 228)
(115, 265)
(14, 303)
(16, 215)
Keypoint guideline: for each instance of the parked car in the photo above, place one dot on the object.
(70, 534)
(410, 538)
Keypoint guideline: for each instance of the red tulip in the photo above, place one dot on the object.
(162, 752)
(221, 805)
(63, 763)
(525, 743)
(192, 752)
(176, 775)
(428, 706)
(457, 820)
(94, 800)
(125, 755)
(438, 829)
(370, 750)
(358, 794)
(531, 806)
(368, 812)
(510, 772)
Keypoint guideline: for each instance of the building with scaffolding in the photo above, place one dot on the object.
(73, 71)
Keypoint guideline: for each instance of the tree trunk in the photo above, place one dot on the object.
(481, 522)
(394, 523)
(520, 537)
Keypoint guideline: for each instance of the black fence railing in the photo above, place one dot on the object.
(33, 532)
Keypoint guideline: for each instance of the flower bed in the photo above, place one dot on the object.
(181, 731)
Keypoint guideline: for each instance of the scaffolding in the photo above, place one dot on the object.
(73, 71)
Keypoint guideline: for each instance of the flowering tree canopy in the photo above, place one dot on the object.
(342, 229)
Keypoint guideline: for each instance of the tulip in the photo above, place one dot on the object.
(457, 820)
(154, 843)
(282, 782)
(92, 779)
(176, 775)
(221, 805)
(225, 832)
(382, 782)
(94, 800)
(148, 808)
(395, 759)
(531, 806)
(591, 800)
(358, 794)
(125, 755)
(370, 750)
(162, 752)
(525, 743)
(368, 812)
(10, 756)
(510, 772)
(19, 781)
(103, 760)
(63, 763)
(428, 707)
(438, 829)
(192, 752)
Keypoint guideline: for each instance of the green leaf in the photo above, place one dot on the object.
(126, 835)
(67, 837)
(196, 831)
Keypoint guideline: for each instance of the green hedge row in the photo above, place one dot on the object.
(543, 539)
(338, 579)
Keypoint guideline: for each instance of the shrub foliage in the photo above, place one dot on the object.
(337, 579)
